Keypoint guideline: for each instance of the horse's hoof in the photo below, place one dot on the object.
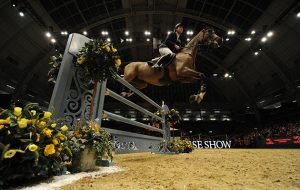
(192, 99)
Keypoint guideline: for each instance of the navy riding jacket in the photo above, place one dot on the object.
(171, 40)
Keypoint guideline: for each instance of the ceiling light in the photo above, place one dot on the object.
(215, 74)
(226, 75)
(231, 32)
(298, 14)
(269, 34)
(104, 33)
(53, 40)
(227, 39)
(21, 13)
(10, 86)
(126, 33)
(248, 39)
(264, 39)
(148, 40)
(64, 33)
(147, 33)
(256, 53)
(84, 33)
(189, 32)
(253, 32)
(188, 39)
(108, 39)
(48, 34)
(169, 32)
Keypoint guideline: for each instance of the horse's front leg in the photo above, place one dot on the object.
(191, 75)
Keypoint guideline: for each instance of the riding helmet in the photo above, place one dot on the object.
(177, 25)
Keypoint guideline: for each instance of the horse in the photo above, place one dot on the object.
(182, 68)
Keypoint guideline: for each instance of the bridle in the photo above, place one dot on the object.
(203, 35)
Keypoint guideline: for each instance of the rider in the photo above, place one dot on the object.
(173, 43)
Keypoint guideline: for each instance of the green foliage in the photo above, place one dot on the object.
(32, 145)
(97, 60)
(54, 65)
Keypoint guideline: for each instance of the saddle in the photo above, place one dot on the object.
(163, 61)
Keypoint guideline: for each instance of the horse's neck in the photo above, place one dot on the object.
(192, 46)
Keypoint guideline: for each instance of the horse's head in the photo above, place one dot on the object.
(211, 38)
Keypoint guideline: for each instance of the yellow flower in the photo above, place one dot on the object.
(61, 136)
(96, 128)
(53, 125)
(64, 128)
(59, 149)
(5, 121)
(47, 114)
(47, 132)
(38, 136)
(10, 153)
(49, 149)
(42, 124)
(32, 147)
(33, 112)
(17, 111)
(81, 60)
(114, 50)
(118, 62)
(22, 123)
(55, 141)
(1, 127)
(107, 48)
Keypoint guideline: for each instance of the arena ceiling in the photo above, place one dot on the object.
(265, 79)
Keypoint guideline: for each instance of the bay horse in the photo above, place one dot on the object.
(182, 68)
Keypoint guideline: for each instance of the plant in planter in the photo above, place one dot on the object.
(32, 145)
(181, 146)
(97, 61)
(89, 142)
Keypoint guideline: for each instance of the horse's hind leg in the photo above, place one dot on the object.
(130, 75)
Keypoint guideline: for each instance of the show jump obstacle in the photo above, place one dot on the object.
(71, 98)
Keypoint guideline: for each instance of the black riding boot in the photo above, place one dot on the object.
(164, 60)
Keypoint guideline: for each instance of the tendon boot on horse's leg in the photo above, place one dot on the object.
(164, 60)
(126, 92)
(199, 96)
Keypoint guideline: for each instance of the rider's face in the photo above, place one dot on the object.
(179, 29)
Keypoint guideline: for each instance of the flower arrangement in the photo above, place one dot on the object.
(97, 59)
(89, 135)
(173, 116)
(181, 146)
(32, 145)
(54, 65)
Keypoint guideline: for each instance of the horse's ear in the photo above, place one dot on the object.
(210, 30)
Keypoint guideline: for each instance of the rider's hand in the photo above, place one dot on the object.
(177, 47)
